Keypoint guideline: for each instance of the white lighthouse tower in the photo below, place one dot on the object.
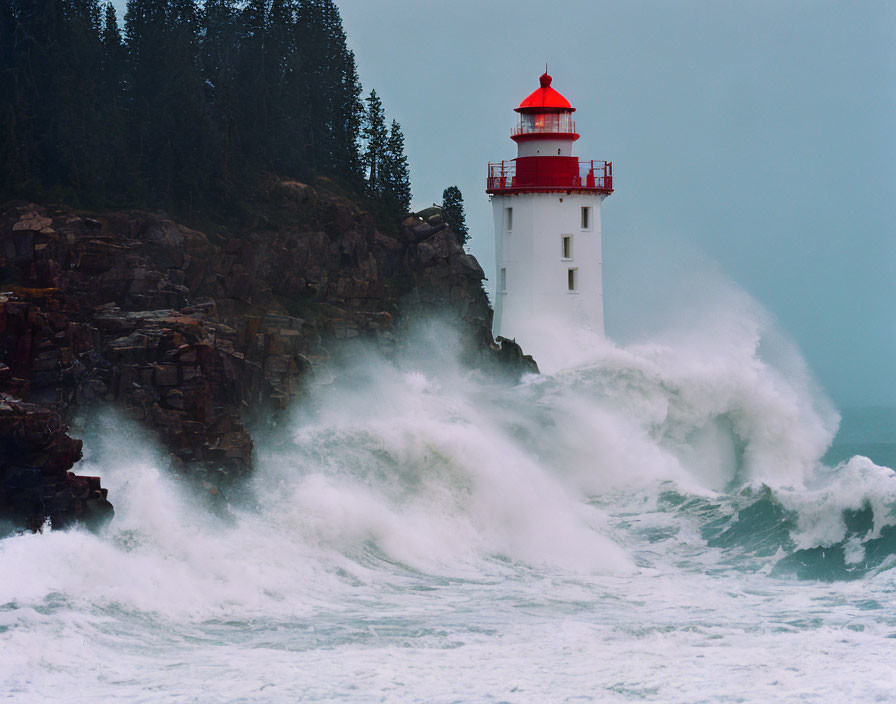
(547, 227)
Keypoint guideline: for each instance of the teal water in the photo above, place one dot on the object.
(868, 431)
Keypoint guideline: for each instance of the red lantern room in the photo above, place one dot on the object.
(545, 163)
(545, 114)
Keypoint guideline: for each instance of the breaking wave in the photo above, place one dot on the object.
(416, 503)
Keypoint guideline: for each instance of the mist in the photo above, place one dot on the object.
(758, 134)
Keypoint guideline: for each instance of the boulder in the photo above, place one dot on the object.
(35, 484)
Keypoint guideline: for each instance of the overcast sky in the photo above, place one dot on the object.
(760, 133)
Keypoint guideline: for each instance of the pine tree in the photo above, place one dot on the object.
(324, 68)
(396, 178)
(218, 49)
(201, 98)
(114, 54)
(32, 28)
(79, 118)
(145, 31)
(9, 159)
(116, 173)
(342, 92)
(453, 212)
(375, 137)
(52, 115)
(347, 117)
(287, 107)
(252, 103)
(168, 116)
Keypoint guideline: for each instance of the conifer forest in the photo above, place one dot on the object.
(186, 106)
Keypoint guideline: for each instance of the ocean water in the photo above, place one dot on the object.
(666, 520)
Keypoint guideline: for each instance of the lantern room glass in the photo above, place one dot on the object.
(550, 122)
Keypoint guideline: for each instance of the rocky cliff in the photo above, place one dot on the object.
(193, 333)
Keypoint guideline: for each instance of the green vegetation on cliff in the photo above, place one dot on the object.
(194, 106)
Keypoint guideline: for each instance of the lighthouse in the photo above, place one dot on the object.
(546, 205)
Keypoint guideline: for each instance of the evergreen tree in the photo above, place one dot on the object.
(111, 35)
(218, 49)
(453, 212)
(7, 32)
(145, 31)
(198, 101)
(348, 113)
(116, 174)
(396, 178)
(52, 115)
(375, 137)
(251, 113)
(79, 118)
(114, 54)
(9, 159)
(342, 95)
(168, 116)
(288, 109)
(326, 79)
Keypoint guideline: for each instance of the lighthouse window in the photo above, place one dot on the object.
(567, 246)
(573, 280)
(508, 218)
(503, 281)
(586, 218)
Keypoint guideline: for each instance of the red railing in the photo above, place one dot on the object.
(550, 173)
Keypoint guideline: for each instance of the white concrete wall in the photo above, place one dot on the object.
(545, 147)
(537, 299)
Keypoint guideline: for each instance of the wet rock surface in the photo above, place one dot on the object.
(35, 456)
(196, 334)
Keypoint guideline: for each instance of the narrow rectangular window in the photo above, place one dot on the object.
(586, 218)
(567, 246)
(572, 281)
(508, 217)
(503, 281)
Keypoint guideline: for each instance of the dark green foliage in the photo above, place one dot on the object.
(327, 87)
(52, 122)
(196, 105)
(396, 174)
(169, 126)
(453, 211)
(10, 159)
(384, 161)
(375, 137)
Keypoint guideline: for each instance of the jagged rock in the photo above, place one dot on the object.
(32, 221)
(513, 358)
(192, 334)
(35, 484)
(427, 213)
(467, 265)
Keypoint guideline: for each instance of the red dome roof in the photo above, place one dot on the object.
(545, 99)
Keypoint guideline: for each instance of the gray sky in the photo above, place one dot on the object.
(760, 133)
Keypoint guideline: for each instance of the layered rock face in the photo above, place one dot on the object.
(35, 456)
(193, 334)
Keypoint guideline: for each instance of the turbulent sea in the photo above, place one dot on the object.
(666, 520)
